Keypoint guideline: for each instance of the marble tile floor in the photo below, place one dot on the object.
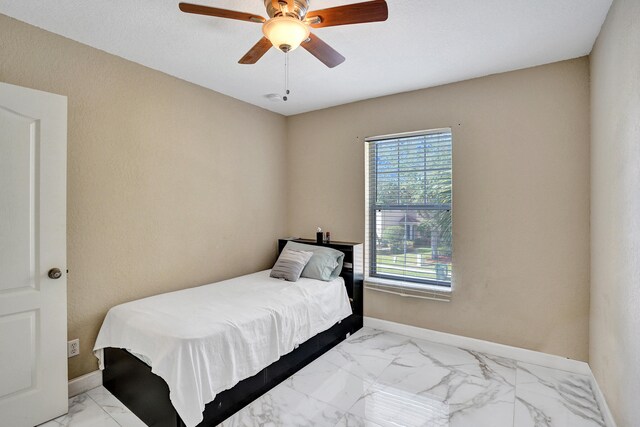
(377, 379)
(96, 408)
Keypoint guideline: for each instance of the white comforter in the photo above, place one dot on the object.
(205, 340)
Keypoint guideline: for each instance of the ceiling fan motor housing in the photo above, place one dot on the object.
(276, 8)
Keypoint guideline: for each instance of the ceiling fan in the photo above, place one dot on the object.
(289, 25)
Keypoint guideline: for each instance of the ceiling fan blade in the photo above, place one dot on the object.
(256, 52)
(220, 13)
(357, 13)
(325, 53)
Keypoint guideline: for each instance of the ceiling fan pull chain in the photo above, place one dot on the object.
(286, 77)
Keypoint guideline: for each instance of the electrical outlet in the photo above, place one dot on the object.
(73, 348)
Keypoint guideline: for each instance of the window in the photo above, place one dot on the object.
(409, 240)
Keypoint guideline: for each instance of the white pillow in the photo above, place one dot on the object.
(290, 264)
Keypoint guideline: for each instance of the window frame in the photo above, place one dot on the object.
(371, 220)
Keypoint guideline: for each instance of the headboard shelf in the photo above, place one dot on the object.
(352, 271)
(332, 243)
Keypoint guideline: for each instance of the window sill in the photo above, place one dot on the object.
(409, 289)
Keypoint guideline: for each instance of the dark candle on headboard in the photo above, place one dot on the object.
(319, 236)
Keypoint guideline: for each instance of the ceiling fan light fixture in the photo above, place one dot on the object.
(285, 33)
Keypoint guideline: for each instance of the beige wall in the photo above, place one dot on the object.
(521, 200)
(166, 180)
(156, 200)
(614, 353)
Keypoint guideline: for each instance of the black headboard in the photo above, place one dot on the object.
(352, 270)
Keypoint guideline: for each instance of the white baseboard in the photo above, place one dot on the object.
(520, 354)
(85, 383)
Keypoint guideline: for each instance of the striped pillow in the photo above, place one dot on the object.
(290, 264)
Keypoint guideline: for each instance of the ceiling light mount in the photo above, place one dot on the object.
(294, 8)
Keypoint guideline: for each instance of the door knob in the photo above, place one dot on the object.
(54, 273)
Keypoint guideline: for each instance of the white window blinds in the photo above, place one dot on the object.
(408, 218)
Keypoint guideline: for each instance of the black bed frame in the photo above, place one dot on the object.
(147, 395)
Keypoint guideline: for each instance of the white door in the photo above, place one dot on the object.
(33, 307)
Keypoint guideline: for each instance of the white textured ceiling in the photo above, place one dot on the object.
(424, 43)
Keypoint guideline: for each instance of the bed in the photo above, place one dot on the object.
(196, 356)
